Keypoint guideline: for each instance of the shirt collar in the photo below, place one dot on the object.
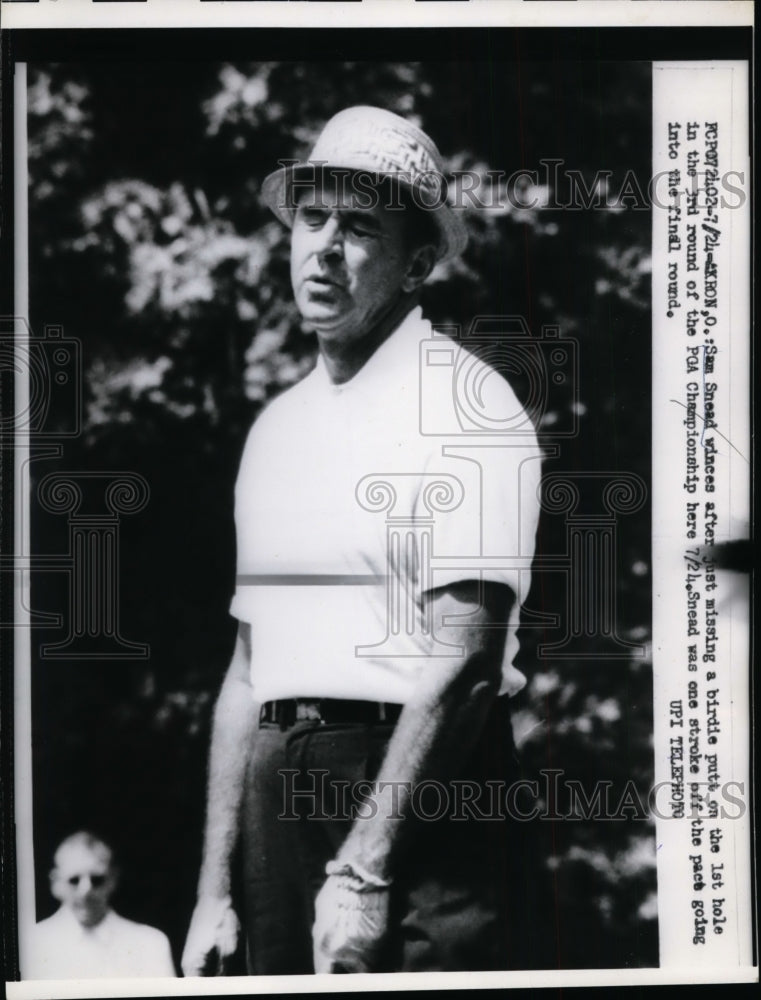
(102, 932)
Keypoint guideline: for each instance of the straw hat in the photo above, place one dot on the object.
(379, 143)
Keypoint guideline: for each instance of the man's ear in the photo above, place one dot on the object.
(114, 876)
(55, 884)
(422, 261)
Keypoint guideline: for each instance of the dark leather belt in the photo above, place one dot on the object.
(288, 711)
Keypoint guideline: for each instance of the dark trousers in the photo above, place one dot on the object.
(464, 896)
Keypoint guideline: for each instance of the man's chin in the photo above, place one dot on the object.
(89, 918)
(324, 324)
(321, 305)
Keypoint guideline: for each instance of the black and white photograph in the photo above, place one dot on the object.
(379, 428)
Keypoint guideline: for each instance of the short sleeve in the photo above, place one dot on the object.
(490, 534)
(245, 516)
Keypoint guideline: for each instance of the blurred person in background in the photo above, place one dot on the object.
(85, 938)
(328, 890)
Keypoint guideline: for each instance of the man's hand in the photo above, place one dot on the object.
(212, 937)
(351, 919)
(213, 933)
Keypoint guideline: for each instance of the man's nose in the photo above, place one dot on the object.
(331, 238)
(84, 886)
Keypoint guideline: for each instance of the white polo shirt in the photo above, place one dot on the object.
(117, 948)
(353, 499)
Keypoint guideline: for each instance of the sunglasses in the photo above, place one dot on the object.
(96, 881)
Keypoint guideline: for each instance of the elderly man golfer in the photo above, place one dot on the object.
(361, 747)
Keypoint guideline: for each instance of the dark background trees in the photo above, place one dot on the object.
(150, 244)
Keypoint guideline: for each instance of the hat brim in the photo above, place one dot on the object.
(276, 192)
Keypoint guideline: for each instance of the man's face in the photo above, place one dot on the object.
(348, 263)
(83, 880)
